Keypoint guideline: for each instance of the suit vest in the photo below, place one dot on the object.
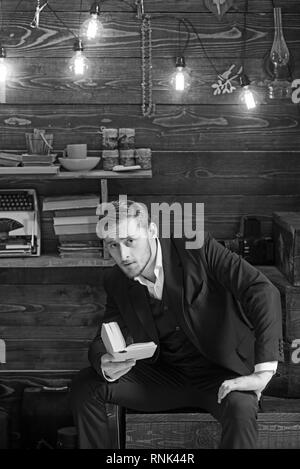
(175, 348)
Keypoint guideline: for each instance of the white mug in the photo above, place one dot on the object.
(76, 151)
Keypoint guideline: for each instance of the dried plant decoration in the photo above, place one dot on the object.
(224, 84)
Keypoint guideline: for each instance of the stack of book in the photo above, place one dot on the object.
(38, 160)
(10, 159)
(74, 221)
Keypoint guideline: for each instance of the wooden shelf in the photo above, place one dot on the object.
(138, 174)
(52, 261)
(100, 174)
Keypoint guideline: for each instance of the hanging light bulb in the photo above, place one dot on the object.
(280, 87)
(3, 66)
(79, 63)
(247, 95)
(180, 79)
(92, 28)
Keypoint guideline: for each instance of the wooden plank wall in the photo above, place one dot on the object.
(205, 148)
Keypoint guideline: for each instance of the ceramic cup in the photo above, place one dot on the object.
(76, 151)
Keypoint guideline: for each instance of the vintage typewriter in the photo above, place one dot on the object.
(20, 233)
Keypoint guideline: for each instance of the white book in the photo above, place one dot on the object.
(115, 344)
(81, 220)
(86, 228)
(70, 202)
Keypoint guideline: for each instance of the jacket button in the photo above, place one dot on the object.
(166, 308)
(177, 328)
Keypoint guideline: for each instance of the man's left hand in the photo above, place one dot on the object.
(255, 382)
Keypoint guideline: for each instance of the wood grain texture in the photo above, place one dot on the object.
(290, 302)
(121, 35)
(172, 127)
(50, 354)
(201, 431)
(224, 173)
(222, 214)
(118, 81)
(55, 325)
(257, 175)
(189, 172)
(151, 5)
(93, 276)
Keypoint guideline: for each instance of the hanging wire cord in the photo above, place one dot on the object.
(79, 21)
(244, 38)
(188, 24)
(66, 26)
(1, 20)
(180, 50)
(62, 22)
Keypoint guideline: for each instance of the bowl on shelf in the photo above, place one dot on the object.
(82, 164)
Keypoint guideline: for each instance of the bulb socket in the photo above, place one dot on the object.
(2, 52)
(180, 62)
(244, 80)
(95, 9)
(78, 45)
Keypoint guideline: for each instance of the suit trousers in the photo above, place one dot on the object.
(158, 387)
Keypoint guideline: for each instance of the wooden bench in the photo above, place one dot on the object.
(279, 427)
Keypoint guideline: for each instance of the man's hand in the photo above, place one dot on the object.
(114, 369)
(255, 382)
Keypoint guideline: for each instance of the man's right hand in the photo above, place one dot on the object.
(114, 369)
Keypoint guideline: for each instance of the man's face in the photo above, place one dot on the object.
(129, 244)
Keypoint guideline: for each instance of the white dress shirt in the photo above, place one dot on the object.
(155, 289)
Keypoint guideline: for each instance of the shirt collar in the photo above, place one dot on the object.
(157, 267)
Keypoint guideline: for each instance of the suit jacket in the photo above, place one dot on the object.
(228, 309)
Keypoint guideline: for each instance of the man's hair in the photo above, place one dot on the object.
(117, 210)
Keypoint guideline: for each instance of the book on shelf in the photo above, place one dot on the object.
(78, 238)
(115, 344)
(75, 229)
(83, 249)
(86, 245)
(10, 159)
(71, 202)
(39, 160)
(75, 212)
(82, 255)
(83, 220)
(29, 170)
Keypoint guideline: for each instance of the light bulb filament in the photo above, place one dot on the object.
(248, 98)
(179, 80)
(93, 27)
(3, 70)
(79, 64)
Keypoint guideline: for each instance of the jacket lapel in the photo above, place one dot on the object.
(141, 309)
(173, 277)
(175, 284)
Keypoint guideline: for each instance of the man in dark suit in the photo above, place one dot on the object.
(215, 318)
